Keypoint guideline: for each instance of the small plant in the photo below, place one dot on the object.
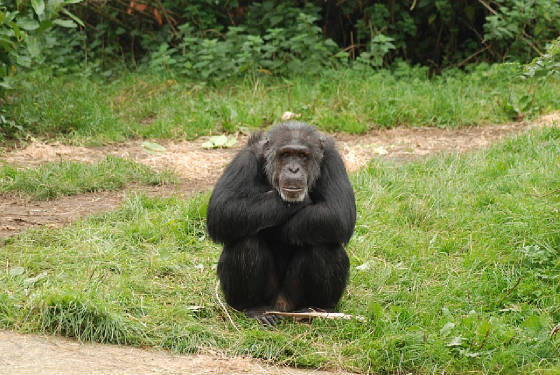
(379, 47)
(517, 107)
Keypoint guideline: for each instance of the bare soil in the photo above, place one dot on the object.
(19, 213)
(198, 169)
(33, 354)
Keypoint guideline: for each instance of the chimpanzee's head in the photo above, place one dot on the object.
(293, 152)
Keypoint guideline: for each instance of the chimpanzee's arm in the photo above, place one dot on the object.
(332, 216)
(243, 202)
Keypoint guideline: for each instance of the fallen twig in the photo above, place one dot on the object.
(316, 314)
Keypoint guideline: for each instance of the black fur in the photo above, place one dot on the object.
(278, 254)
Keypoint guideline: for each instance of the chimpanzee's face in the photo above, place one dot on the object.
(292, 164)
(293, 160)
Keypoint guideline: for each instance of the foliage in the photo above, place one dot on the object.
(24, 30)
(212, 40)
(299, 50)
(546, 65)
(379, 47)
(521, 28)
(238, 37)
(454, 264)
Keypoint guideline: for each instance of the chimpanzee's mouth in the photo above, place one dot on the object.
(293, 193)
(292, 189)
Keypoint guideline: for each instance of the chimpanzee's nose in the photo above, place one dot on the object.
(293, 169)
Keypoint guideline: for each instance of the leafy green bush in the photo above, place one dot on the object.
(545, 65)
(297, 48)
(520, 28)
(22, 32)
(216, 40)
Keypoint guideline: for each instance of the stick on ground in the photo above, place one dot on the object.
(300, 315)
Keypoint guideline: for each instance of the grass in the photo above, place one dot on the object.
(51, 180)
(454, 263)
(90, 110)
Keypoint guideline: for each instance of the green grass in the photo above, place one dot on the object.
(51, 180)
(454, 264)
(141, 105)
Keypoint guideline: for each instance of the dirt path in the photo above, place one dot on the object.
(199, 168)
(33, 354)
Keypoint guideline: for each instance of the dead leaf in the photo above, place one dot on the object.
(365, 266)
(153, 147)
(289, 116)
(157, 16)
(16, 271)
(220, 141)
(380, 150)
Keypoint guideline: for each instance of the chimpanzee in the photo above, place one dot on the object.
(283, 209)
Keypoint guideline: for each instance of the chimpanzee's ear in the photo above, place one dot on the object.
(265, 141)
(325, 143)
(255, 138)
(322, 141)
(264, 145)
(260, 142)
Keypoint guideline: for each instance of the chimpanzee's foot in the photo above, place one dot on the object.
(259, 313)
